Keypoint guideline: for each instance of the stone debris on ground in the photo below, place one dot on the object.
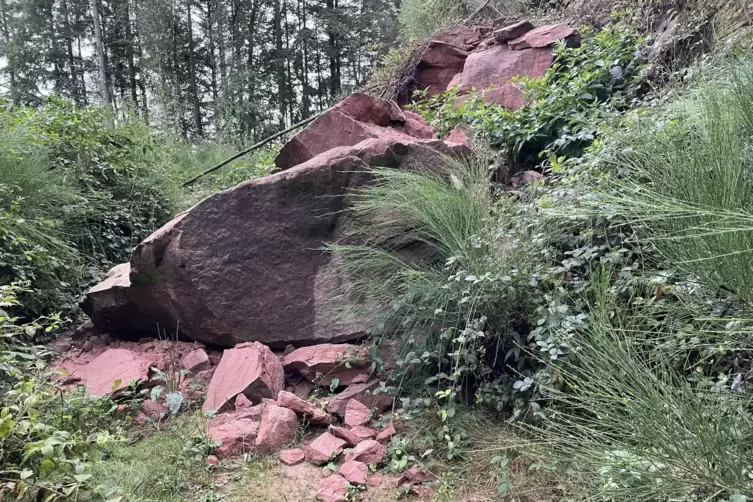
(324, 448)
(321, 364)
(293, 456)
(356, 473)
(356, 414)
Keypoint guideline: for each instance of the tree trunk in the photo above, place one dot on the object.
(6, 41)
(212, 55)
(69, 49)
(100, 48)
(279, 64)
(306, 97)
(192, 68)
(220, 10)
(129, 55)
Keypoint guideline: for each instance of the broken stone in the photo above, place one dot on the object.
(277, 428)
(324, 448)
(369, 452)
(466, 37)
(364, 394)
(213, 461)
(440, 62)
(459, 136)
(356, 414)
(304, 408)
(154, 410)
(113, 371)
(292, 457)
(414, 474)
(546, 36)
(350, 437)
(243, 403)
(364, 432)
(196, 361)
(355, 473)
(387, 433)
(332, 489)
(512, 31)
(251, 369)
(236, 433)
(323, 363)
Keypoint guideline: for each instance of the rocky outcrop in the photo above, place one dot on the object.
(546, 36)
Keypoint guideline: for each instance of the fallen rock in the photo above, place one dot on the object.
(243, 403)
(356, 414)
(277, 428)
(213, 461)
(350, 437)
(512, 31)
(415, 126)
(358, 117)
(355, 473)
(364, 394)
(196, 361)
(369, 452)
(459, 136)
(292, 457)
(364, 432)
(387, 433)
(236, 433)
(113, 371)
(414, 474)
(546, 36)
(323, 449)
(154, 410)
(323, 363)
(246, 264)
(108, 304)
(303, 408)
(203, 378)
(496, 67)
(250, 369)
(332, 489)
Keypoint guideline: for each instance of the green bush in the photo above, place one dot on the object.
(634, 428)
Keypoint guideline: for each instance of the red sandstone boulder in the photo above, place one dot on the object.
(323, 363)
(354, 472)
(250, 369)
(357, 118)
(332, 489)
(113, 371)
(303, 408)
(498, 65)
(546, 36)
(364, 394)
(196, 361)
(369, 452)
(277, 428)
(246, 264)
(323, 449)
(292, 457)
(235, 432)
(356, 414)
(512, 31)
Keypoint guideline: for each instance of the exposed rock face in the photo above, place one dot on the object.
(250, 369)
(323, 363)
(247, 264)
(277, 428)
(512, 31)
(439, 64)
(466, 37)
(496, 66)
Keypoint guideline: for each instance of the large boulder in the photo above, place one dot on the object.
(438, 65)
(250, 369)
(356, 118)
(497, 66)
(248, 264)
(546, 36)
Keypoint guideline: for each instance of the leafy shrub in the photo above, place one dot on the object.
(45, 434)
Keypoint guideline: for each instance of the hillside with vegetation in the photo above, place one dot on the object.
(475, 250)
